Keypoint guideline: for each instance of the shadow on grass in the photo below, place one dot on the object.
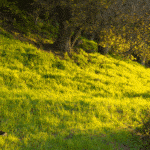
(143, 95)
(40, 125)
(79, 139)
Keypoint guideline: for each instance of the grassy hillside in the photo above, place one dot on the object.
(87, 102)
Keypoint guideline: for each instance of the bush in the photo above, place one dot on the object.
(88, 45)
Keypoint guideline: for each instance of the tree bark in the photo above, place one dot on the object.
(63, 41)
(74, 38)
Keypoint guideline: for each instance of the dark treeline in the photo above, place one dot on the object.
(125, 23)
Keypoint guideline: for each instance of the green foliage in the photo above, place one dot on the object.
(24, 24)
(18, 18)
(89, 45)
(3, 3)
(48, 27)
(4, 33)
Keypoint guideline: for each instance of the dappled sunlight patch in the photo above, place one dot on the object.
(11, 78)
(2, 141)
(13, 139)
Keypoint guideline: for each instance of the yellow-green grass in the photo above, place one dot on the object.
(89, 102)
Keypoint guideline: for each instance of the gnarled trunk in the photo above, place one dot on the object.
(64, 41)
(74, 38)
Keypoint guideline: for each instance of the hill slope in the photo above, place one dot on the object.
(88, 102)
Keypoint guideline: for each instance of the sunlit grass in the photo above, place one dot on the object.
(88, 102)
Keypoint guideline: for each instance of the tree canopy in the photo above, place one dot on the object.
(125, 22)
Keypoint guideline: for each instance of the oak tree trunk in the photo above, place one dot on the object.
(65, 40)
(75, 37)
